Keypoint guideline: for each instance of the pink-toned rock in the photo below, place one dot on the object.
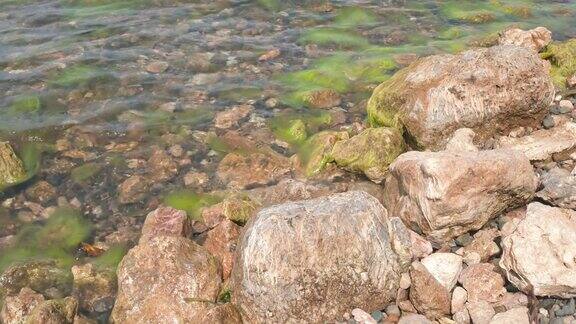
(161, 166)
(540, 255)
(231, 117)
(54, 311)
(420, 246)
(133, 189)
(221, 242)
(165, 221)
(17, 308)
(444, 267)
(462, 317)
(535, 39)
(433, 197)
(482, 283)
(516, 316)
(462, 140)
(428, 295)
(481, 312)
(414, 319)
(157, 67)
(513, 300)
(166, 279)
(483, 244)
(222, 314)
(459, 298)
(361, 317)
(94, 288)
(544, 144)
(252, 169)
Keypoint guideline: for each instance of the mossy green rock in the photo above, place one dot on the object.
(316, 152)
(370, 152)
(12, 169)
(37, 275)
(563, 59)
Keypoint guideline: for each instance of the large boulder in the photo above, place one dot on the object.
(490, 90)
(166, 279)
(446, 194)
(369, 152)
(540, 255)
(314, 260)
(535, 39)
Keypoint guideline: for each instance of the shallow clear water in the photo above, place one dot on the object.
(89, 86)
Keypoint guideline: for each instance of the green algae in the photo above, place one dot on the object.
(562, 56)
(316, 152)
(79, 76)
(85, 172)
(111, 258)
(352, 17)
(190, 202)
(239, 208)
(291, 131)
(383, 107)
(25, 104)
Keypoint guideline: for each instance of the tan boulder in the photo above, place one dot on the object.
(535, 39)
(315, 260)
(540, 255)
(489, 90)
(446, 194)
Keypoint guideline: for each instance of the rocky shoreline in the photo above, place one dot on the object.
(468, 216)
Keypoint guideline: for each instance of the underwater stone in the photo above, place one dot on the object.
(11, 167)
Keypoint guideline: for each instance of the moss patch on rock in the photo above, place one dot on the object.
(383, 107)
(316, 152)
(563, 59)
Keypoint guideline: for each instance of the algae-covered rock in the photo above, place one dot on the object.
(55, 311)
(490, 90)
(316, 152)
(369, 152)
(12, 169)
(292, 131)
(563, 59)
(37, 275)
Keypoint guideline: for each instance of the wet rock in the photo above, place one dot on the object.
(161, 166)
(414, 319)
(480, 312)
(535, 39)
(221, 243)
(559, 188)
(431, 196)
(37, 275)
(483, 244)
(482, 283)
(459, 298)
(222, 314)
(166, 279)
(444, 267)
(316, 152)
(427, 294)
(269, 55)
(322, 99)
(462, 140)
(369, 152)
(55, 311)
(134, 189)
(17, 308)
(42, 192)
(231, 117)
(157, 67)
(539, 255)
(11, 167)
(544, 144)
(490, 90)
(94, 288)
(196, 179)
(165, 221)
(243, 171)
(315, 260)
(517, 316)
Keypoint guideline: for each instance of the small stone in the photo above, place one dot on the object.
(161, 166)
(405, 281)
(535, 39)
(480, 312)
(196, 179)
(42, 192)
(176, 150)
(462, 317)
(322, 99)
(464, 239)
(94, 288)
(568, 309)
(231, 117)
(571, 81)
(483, 244)
(157, 67)
(17, 308)
(378, 315)
(11, 167)
(271, 102)
(482, 283)
(414, 319)
(565, 106)
(444, 267)
(513, 300)
(459, 298)
(361, 317)
(548, 122)
(165, 221)
(516, 315)
(269, 55)
(393, 309)
(420, 246)
(251, 170)
(133, 189)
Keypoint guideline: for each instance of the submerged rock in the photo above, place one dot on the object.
(11, 167)
(94, 288)
(490, 90)
(16, 308)
(369, 152)
(545, 143)
(315, 260)
(55, 311)
(37, 275)
(446, 194)
(166, 279)
(243, 171)
(322, 99)
(559, 188)
(539, 256)
(535, 39)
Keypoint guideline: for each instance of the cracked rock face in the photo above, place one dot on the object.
(541, 253)
(559, 188)
(489, 90)
(315, 260)
(446, 194)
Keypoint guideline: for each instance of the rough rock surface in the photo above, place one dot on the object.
(483, 283)
(540, 254)
(54, 311)
(414, 319)
(535, 39)
(428, 295)
(480, 312)
(94, 288)
(16, 308)
(462, 140)
(559, 188)
(516, 316)
(222, 314)
(164, 280)
(545, 143)
(231, 117)
(483, 245)
(11, 167)
(243, 171)
(317, 259)
(369, 152)
(221, 243)
(444, 267)
(37, 275)
(165, 221)
(459, 298)
(490, 90)
(434, 197)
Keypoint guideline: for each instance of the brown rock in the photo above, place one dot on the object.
(95, 289)
(17, 308)
(222, 314)
(428, 295)
(559, 188)
(269, 55)
(483, 244)
(462, 140)
(221, 243)
(41, 191)
(55, 311)
(434, 197)
(322, 99)
(293, 190)
(161, 166)
(252, 169)
(482, 283)
(196, 179)
(165, 221)
(157, 67)
(11, 167)
(166, 279)
(489, 90)
(133, 189)
(539, 255)
(516, 315)
(315, 260)
(535, 39)
(420, 246)
(231, 117)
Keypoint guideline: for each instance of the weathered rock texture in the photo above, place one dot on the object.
(559, 188)
(166, 280)
(165, 221)
(540, 255)
(446, 194)
(545, 143)
(427, 294)
(535, 39)
(444, 267)
(370, 152)
(315, 260)
(16, 308)
(11, 167)
(490, 90)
